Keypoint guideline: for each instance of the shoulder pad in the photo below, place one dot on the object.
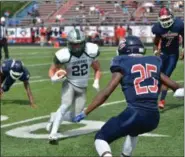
(63, 55)
(116, 65)
(156, 28)
(92, 50)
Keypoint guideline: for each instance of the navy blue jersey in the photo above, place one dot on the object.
(8, 81)
(170, 36)
(140, 82)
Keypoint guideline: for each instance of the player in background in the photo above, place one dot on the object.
(167, 32)
(76, 59)
(12, 70)
(140, 78)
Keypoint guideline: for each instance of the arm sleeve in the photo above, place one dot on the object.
(116, 66)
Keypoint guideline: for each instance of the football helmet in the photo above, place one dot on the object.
(166, 18)
(16, 70)
(131, 45)
(76, 42)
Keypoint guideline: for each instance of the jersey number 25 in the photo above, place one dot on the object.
(144, 74)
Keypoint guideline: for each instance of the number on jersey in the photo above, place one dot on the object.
(80, 70)
(144, 74)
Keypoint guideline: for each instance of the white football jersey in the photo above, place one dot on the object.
(78, 69)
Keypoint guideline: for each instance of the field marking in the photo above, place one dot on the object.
(34, 77)
(43, 80)
(47, 116)
(3, 118)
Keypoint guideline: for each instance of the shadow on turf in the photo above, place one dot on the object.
(171, 107)
(17, 102)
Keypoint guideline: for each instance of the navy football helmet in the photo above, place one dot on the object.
(131, 45)
(16, 70)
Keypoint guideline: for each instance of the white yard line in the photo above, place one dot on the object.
(47, 116)
(35, 77)
(43, 80)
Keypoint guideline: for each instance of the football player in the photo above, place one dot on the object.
(167, 32)
(76, 59)
(140, 78)
(12, 70)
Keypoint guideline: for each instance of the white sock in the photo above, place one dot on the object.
(129, 145)
(59, 115)
(103, 148)
(68, 116)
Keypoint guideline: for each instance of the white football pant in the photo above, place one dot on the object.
(73, 101)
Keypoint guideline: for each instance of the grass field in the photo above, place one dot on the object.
(15, 105)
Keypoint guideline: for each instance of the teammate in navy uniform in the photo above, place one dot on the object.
(12, 70)
(167, 32)
(140, 78)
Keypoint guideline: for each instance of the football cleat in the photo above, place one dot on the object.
(161, 104)
(53, 139)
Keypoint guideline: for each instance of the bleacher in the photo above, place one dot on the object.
(49, 11)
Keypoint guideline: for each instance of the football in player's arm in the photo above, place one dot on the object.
(140, 78)
(168, 32)
(12, 70)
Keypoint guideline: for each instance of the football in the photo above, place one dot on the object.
(61, 73)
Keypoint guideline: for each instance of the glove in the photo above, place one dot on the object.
(157, 52)
(79, 117)
(96, 85)
(179, 93)
(182, 55)
(56, 77)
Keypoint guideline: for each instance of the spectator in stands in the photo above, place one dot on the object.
(124, 7)
(116, 6)
(92, 10)
(81, 7)
(35, 7)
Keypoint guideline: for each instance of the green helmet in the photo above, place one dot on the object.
(76, 42)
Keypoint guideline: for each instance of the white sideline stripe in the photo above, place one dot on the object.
(43, 80)
(34, 77)
(47, 116)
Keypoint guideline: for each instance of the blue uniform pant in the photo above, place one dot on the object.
(169, 63)
(7, 83)
(131, 122)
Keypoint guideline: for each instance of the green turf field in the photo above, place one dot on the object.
(26, 125)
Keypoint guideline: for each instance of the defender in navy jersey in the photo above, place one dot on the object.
(140, 78)
(167, 32)
(12, 70)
